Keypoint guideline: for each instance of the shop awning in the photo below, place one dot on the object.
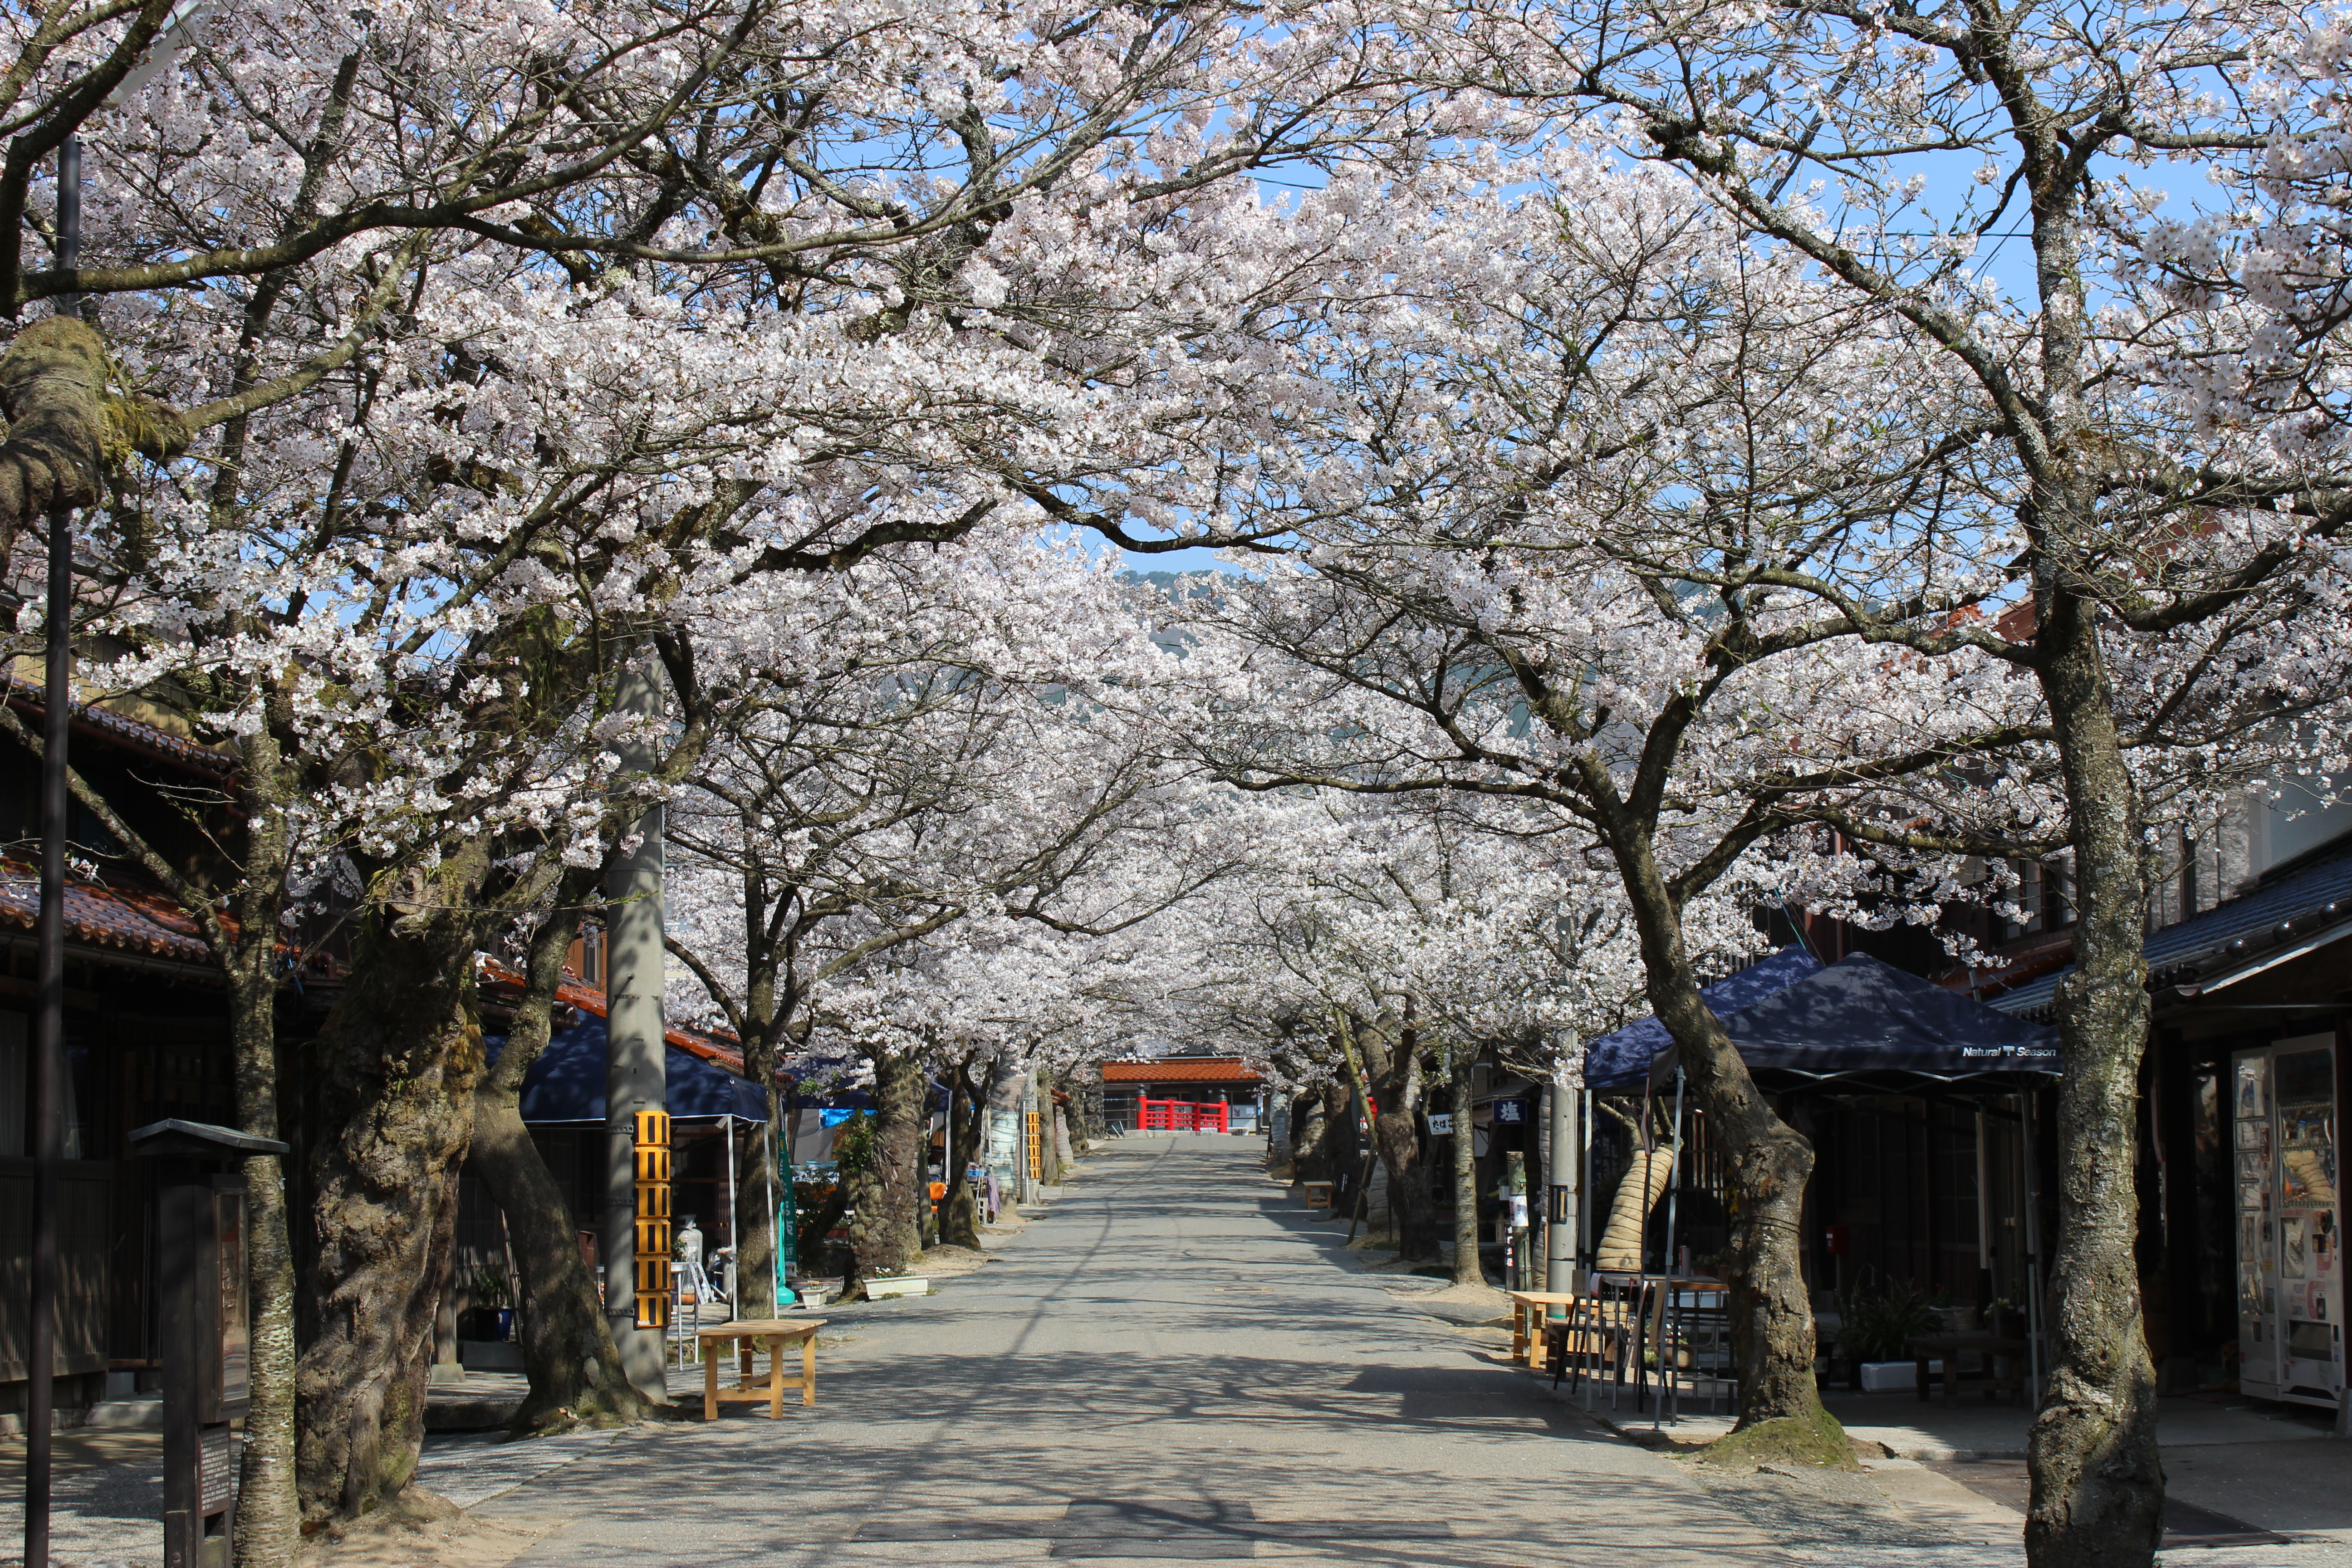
(566, 1085)
(2297, 913)
(1622, 1060)
(1861, 1024)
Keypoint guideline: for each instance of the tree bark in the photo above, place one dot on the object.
(1390, 1080)
(567, 1346)
(959, 1210)
(882, 1235)
(1466, 1268)
(269, 1514)
(2098, 1480)
(1768, 1163)
(755, 1216)
(1311, 1156)
(396, 1066)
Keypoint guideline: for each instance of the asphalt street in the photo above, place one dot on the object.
(1177, 1363)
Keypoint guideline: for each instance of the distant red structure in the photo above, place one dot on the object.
(1180, 1116)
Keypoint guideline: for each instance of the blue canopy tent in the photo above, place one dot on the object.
(566, 1085)
(1857, 1026)
(1622, 1060)
(1867, 1025)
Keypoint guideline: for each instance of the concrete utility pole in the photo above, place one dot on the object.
(1559, 1218)
(1007, 1094)
(634, 1080)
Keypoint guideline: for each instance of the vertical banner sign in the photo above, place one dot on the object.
(653, 1219)
(1036, 1150)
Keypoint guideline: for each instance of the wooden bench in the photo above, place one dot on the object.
(750, 1336)
(1529, 1311)
(1318, 1194)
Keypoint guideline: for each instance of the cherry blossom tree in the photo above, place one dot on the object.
(2141, 412)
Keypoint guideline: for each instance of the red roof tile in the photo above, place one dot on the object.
(1180, 1070)
(26, 695)
(126, 919)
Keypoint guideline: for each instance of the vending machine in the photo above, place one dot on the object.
(2290, 1235)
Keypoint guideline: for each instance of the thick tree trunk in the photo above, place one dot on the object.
(1467, 1269)
(395, 1065)
(567, 1346)
(2098, 1482)
(1768, 1163)
(1049, 1158)
(1311, 1157)
(882, 1233)
(959, 1210)
(1399, 1143)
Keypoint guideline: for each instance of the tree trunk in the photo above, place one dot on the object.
(1416, 1216)
(1467, 1268)
(882, 1235)
(1049, 1161)
(959, 1210)
(395, 1065)
(268, 1515)
(2098, 1481)
(755, 1213)
(567, 1346)
(1311, 1156)
(1767, 1161)
(1625, 1237)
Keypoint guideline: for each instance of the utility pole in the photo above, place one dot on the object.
(45, 1077)
(1559, 1218)
(637, 1284)
(44, 1089)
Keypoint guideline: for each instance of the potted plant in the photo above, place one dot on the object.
(492, 1296)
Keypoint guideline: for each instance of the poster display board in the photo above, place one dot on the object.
(2289, 1222)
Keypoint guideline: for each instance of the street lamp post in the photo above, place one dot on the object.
(48, 1063)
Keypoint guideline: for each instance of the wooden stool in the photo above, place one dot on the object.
(774, 1332)
(1318, 1194)
(1529, 1310)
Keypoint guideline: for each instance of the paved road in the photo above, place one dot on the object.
(1173, 1365)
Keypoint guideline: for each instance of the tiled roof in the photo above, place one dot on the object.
(1180, 1070)
(2290, 908)
(123, 731)
(125, 920)
(722, 1049)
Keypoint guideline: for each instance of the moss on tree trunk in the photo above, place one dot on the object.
(883, 1237)
(392, 1112)
(2098, 1480)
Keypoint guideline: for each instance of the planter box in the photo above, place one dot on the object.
(1888, 1376)
(911, 1285)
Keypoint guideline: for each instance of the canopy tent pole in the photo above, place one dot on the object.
(734, 1225)
(1666, 1378)
(1584, 1182)
(1984, 1215)
(2032, 1251)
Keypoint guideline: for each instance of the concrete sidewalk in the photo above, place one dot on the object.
(1174, 1364)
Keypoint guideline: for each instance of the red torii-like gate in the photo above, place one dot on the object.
(1180, 1116)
